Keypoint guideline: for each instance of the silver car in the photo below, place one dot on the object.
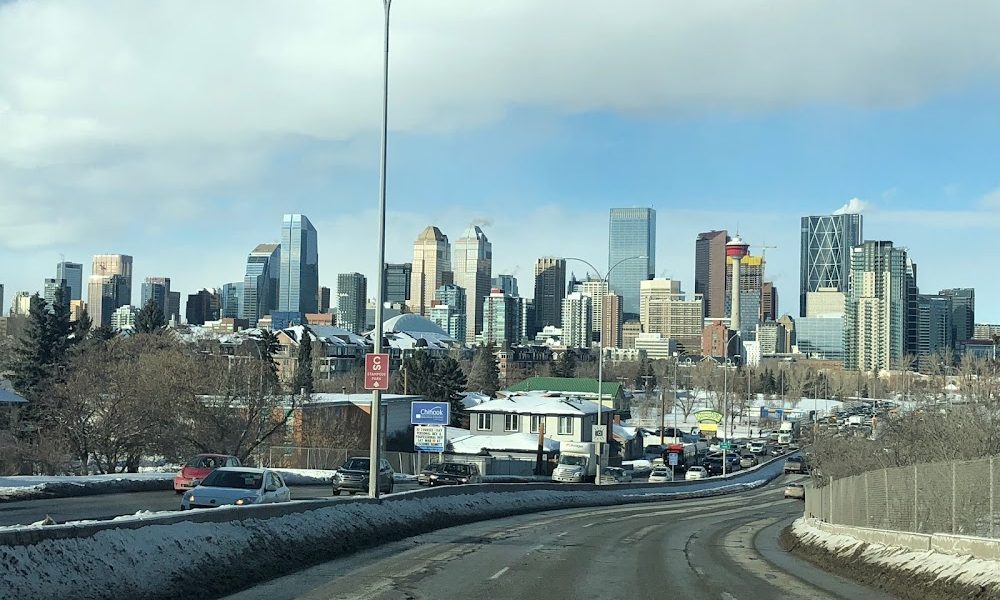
(240, 486)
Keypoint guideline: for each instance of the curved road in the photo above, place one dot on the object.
(720, 548)
(108, 506)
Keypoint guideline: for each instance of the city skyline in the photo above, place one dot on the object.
(544, 142)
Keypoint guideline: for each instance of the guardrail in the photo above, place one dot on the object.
(957, 498)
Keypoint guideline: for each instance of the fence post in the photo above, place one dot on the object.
(868, 499)
(887, 522)
(954, 498)
(916, 519)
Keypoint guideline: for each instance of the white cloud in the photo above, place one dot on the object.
(854, 206)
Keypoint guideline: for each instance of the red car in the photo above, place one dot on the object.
(199, 467)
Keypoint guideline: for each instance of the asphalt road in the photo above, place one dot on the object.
(108, 506)
(720, 548)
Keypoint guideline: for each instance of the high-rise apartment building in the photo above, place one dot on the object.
(20, 304)
(577, 320)
(501, 319)
(963, 313)
(431, 269)
(506, 283)
(56, 290)
(261, 283)
(631, 234)
(450, 313)
(396, 286)
(203, 306)
(934, 328)
(109, 286)
(550, 289)
(611, 321)
(878, 302)
(596, 289)
(666, 310)
(298, 290)
(352, 301)
(826, 250)
(156, 289)
(72, 273)
(473, 268)
(710, 271)
(751, 294)
(123, 317)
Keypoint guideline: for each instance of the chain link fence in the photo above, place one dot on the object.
(959, 498)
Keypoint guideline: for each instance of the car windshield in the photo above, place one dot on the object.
(433, 467)
(357, 464)
(572, 460)
(206, 462)
(243, 480)
(456, 469)
(659, 471)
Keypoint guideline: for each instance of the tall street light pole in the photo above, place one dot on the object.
(600, 354)
(374, 452)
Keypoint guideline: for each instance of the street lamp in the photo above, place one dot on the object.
(600, 351)
(374, 452)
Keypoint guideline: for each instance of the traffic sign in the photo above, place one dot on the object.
(600, 434)
(672, 459)
(725, 445)
(430, 413)
(376, 371)
(429, 438)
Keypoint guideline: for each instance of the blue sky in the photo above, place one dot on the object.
(129, 131)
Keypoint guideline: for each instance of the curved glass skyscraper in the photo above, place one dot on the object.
(632, 232)
(299, 290)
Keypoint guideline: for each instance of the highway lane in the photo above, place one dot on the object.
(722, 548)
(108, 506)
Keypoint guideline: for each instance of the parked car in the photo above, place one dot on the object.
(616, 475)
(794, 464)
(696, 473)
(451, 473)
(198, 468)
(748, 460)
(240, 486)
(660, 475)
(795, 490)
(424, 477)
(352, 477)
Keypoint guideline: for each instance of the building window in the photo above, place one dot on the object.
(565, 425)
(510, 423)
(536, 423)
(485, 422)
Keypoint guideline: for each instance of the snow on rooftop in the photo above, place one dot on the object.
(538, 403)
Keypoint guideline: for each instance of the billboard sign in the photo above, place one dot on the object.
(430, 413)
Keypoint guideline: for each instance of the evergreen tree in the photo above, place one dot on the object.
(303, 380)
(32, 361)
(102, 333)
(60, 328)
(267, 346)
(485, 373)
(81, 327)
(449, 381)
(645, 377)
(150, 318)
(564, 366)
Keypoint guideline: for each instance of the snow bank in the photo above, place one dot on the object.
(152, 557)
(36, 487)
(940, 568)
(323, 476)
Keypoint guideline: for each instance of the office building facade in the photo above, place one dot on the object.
(826, 249)
(324, 300)
(260, 283)
(963, 312)
(473, 268)
(431, 269)
(156, 289)
(631, 233)
(710, 271)
(109, 286)
(935, 328)
(550, 289)
(55, 290)
(501, 319)
(352, 301)
(298, 290)
(820, 337)
(202, 307)
(507, 284)
(611, 321)
(666, 310)
(173, 312)
(229, 302)
(450, 311)
(396, 285)
(72, 274)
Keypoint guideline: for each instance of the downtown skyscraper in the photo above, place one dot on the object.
(880, 317)
(431, 269)
(631, 234)
(260, 284)
(710, 271)
(550, 289)
(298, 292)
(827, 243)
(72, 273)
(352, 301)
(109, 286)
(473, 267)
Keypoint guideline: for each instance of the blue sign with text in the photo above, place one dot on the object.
(430, 413)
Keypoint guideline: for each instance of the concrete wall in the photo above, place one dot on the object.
(959, 545)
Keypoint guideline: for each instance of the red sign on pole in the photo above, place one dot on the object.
(376, 371)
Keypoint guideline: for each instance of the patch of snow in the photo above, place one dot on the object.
(30, 487)
(963, 570)
(306, 476)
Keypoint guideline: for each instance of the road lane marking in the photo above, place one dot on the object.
(563, 534)
(536, 548)
(500, 573)
(728, 596)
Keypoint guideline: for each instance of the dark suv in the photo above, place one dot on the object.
(352, 477)
(455, 474)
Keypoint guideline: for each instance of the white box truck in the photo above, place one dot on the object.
(577, 463)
